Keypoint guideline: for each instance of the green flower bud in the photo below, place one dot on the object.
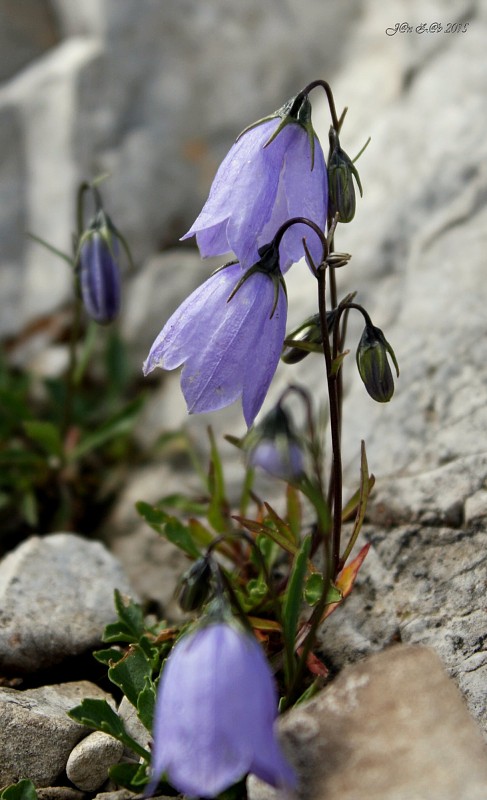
(373, 364)
(194, 586)
(341, 171)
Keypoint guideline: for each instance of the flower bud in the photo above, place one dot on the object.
(274, 447)
(341, 172)
(194, 586)
(373, 364)
(98, 270)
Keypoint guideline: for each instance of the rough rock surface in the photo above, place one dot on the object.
(56, 597)
(393, 727)
(89, 761)
(422, 585)
(154, 94)
(36, 734)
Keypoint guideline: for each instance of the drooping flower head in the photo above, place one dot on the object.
(99, 273)
(274, 446)
(215, 713)
(274, 171)
(228, 334)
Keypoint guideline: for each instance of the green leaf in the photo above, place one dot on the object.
(314, 589)
(29, 508)
(129, 775)
(366, 483)
(97, 714)
(130, 673)
(216, 512)
(294, 594)
(108, 656)
(119, 425)
(23, 790)
(146, 702)
(294, 511)
(130, 626)
(170, 527)
(46, 435)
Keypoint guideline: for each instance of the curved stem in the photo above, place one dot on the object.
(329, 95)
(302, 221)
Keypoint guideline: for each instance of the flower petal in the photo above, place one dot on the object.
(266, 348)
(302, 192)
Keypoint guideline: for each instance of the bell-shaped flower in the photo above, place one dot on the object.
(215, 712)
(228, 334)
(99, 273)
(274, 171)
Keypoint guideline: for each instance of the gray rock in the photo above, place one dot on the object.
(132, 724)
(439, 577)
(143, 93)
(38, 109)
(393, 727)
(59, 793)
(36, 734)
(56, 596)
(27, 29)
(89, 761)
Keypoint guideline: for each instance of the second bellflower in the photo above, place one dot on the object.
(228, 334)
(274, 171)
(215, 714)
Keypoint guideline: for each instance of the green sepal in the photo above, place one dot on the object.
(297, 110)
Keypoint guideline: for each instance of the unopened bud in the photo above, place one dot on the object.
(194, 586)
(373, 364)
(341, 171)
(98, 270)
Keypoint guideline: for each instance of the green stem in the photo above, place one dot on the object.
(72, 368)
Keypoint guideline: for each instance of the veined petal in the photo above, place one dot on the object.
(302, 192)
(240, 355)
(266, 347)
(185, 331)
(231, 178)
(215, 711)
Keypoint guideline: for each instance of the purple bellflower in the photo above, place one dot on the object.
(228, 334)
(274, 171)
(99, 272)
(215, 712)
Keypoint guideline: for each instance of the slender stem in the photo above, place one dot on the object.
(334, 426)
(72, 367)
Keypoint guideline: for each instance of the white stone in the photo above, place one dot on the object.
(88, 763)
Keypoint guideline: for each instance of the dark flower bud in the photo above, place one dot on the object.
(373, 364)
(98, 270)
(274, 447)
(341, 171)
(194, 586)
